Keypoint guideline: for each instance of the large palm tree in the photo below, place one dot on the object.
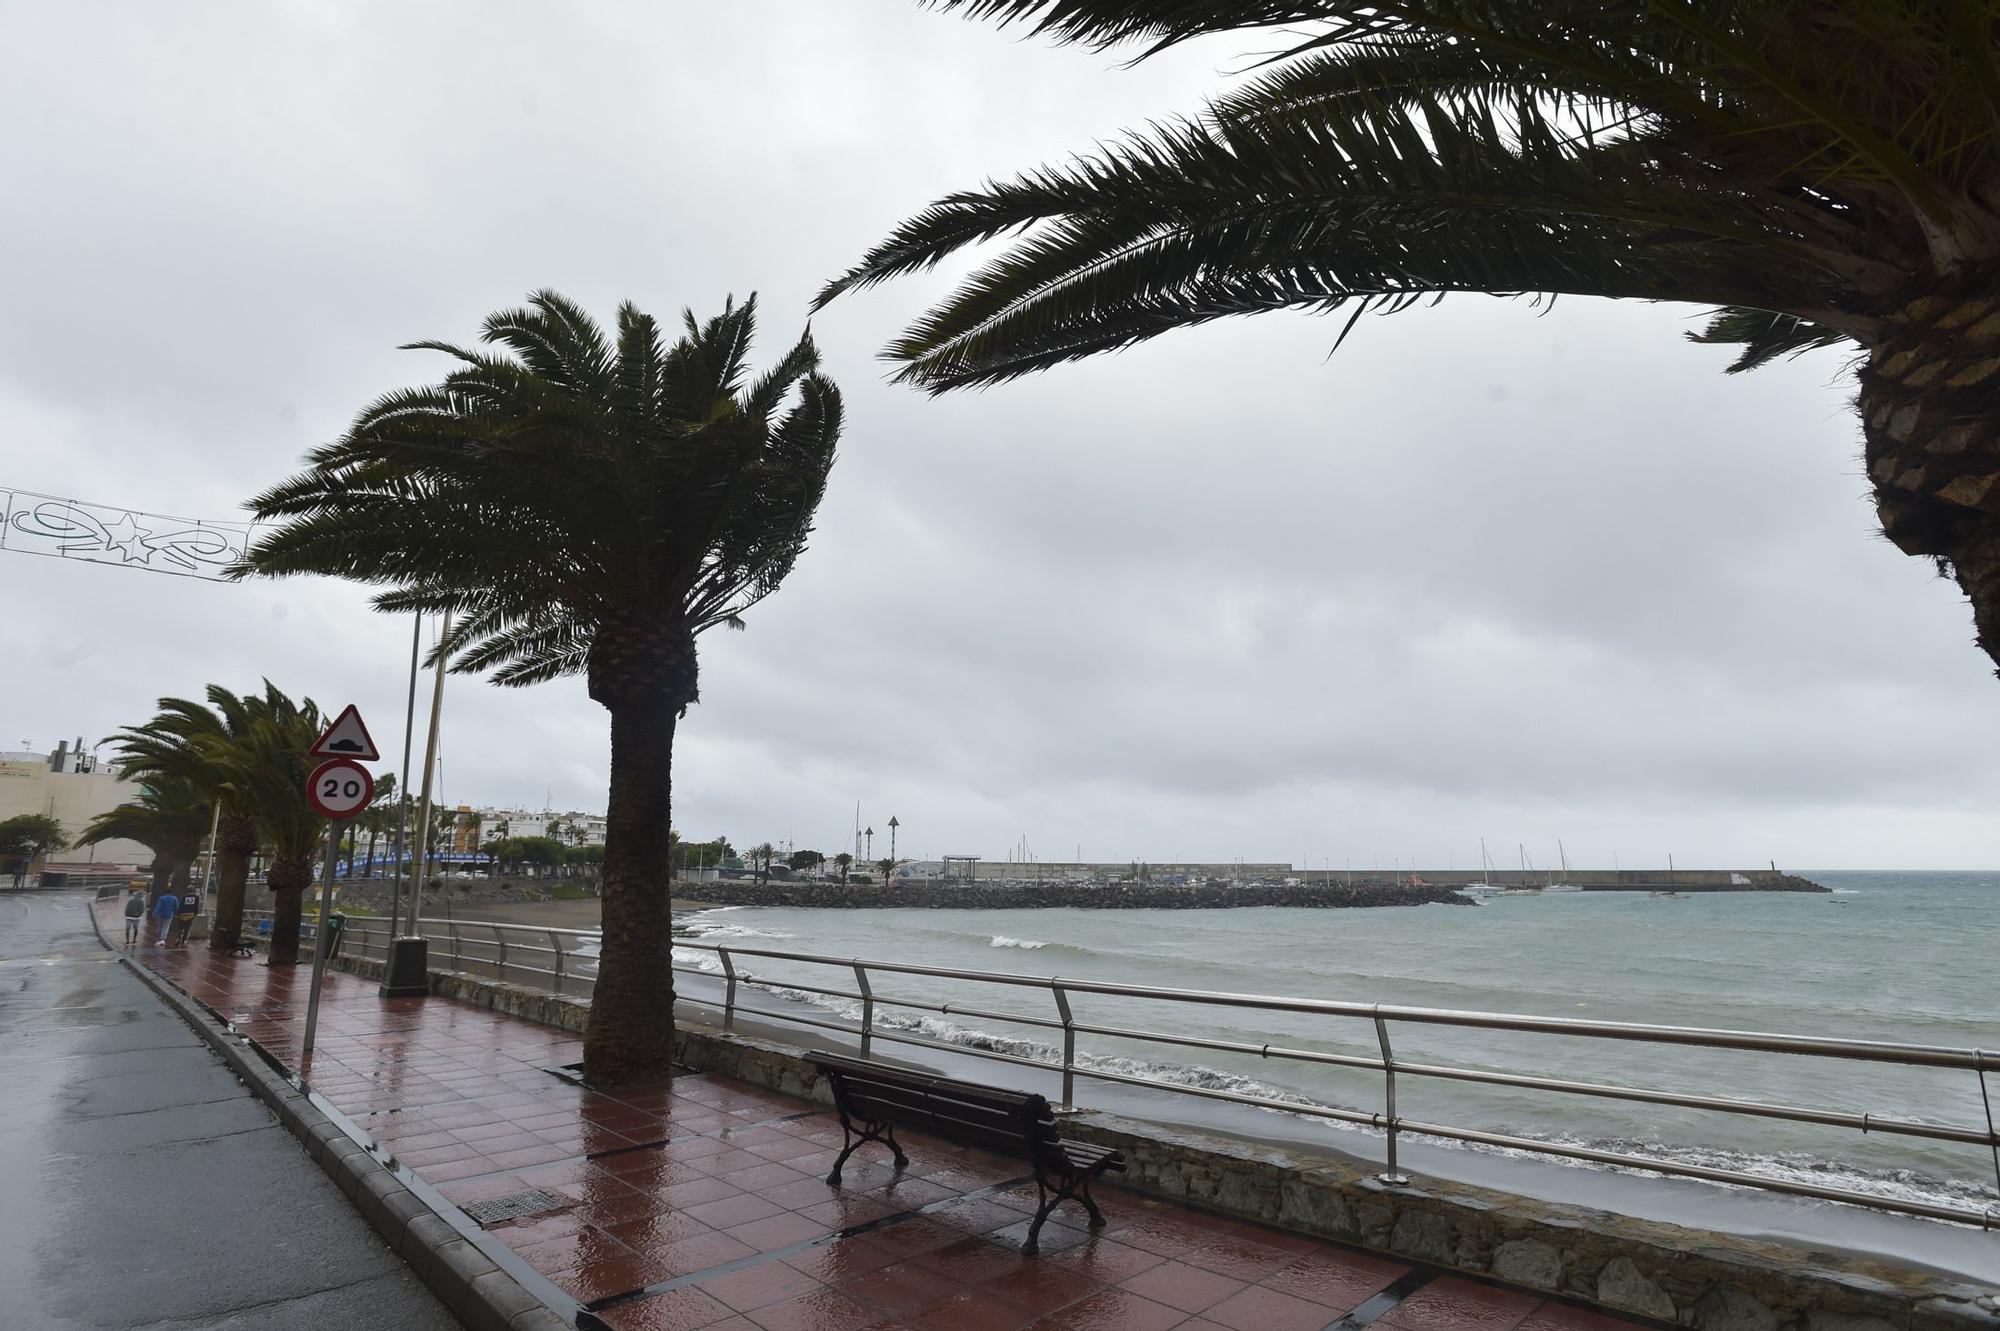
(1823, 172)
(170, 817)
(265, 768)
(163, 752)
(586, 504)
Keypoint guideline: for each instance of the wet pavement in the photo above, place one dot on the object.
(141, 1184)
(700, 1202)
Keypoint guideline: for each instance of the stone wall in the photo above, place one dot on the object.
(1696, 1278)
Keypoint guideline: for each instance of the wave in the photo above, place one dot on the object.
(1791, 1166)
(1002, 940)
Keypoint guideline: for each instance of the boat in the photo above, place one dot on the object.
(1565, 885)
(1485, 887)
(1672, 896)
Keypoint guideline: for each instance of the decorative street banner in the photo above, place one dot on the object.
(45, 525)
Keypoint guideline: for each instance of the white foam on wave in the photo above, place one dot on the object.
(1902, 1184)
(1002, 940)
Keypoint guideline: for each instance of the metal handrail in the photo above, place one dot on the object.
(509, 943)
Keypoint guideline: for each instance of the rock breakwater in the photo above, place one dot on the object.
(939, 895)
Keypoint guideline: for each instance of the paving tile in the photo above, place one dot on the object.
(900, 1288)
(1564, 1317)
(1108, 1260)
(1452, 1304)
(1336, 1279)
(1243, 1257)
(603, 1279)
(760, 1285)
(1178, 1285)
(681, 1309)
(1118, 1310)
(778, 1231)
(694, 1192)
(819, 1310)
(698, 1252)
(972, 1310)
(1040, 1288)
(651, 1230)
(736, 1209)
(1260, 1309)
(832, 1262)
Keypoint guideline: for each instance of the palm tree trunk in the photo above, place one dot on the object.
(374, 831)
(1930, 411)
(156, 886)
(630, 1036)
(290, 876)
(235, 843)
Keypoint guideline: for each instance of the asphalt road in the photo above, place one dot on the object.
(141, 1184)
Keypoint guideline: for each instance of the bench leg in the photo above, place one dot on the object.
(1090, 1204)
(853, 1140)
(1053, 1193)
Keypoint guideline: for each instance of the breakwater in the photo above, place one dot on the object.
(946, 895)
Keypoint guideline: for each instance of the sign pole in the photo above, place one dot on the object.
(338, 789)
(319, 941)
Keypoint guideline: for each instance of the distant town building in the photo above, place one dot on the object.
(72, 786)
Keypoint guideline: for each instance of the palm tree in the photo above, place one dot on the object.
(163, 752)
(265, 768)
(27, 837)
(169, 818)
(583, 505)
(761, 856)
(1820, 173)
(844, 860)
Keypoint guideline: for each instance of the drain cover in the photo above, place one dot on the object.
(515, 1205)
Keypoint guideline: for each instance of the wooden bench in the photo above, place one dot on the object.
(872, 1098)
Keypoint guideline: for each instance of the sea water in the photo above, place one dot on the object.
(1904, 957)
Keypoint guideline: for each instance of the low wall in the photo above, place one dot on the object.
(947, 895)
(1696, 1278)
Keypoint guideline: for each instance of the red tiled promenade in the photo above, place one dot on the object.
(700, 1202)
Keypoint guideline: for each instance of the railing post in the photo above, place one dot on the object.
(457, 949)
(1992, 1140)
(1069, 1043)
(555, 946)
(1391, 1175)
(728, 987)
(500, 968)
(867, 1007)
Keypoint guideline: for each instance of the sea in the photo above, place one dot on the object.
(1895, 956)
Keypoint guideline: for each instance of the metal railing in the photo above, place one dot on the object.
(564, 960)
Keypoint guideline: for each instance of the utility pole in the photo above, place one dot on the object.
(408, 971)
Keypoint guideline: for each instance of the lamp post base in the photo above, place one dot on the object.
(407, 974)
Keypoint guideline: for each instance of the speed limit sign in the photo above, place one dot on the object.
(341, 788)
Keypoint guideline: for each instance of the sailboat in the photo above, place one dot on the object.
(1565, 885)
(1527, 887)
(1485, 887)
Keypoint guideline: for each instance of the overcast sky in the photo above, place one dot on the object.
(1489, 571)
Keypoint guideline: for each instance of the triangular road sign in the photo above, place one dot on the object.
(346, 738)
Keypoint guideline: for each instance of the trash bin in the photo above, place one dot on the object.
(335, 925)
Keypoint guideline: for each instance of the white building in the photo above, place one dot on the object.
(71, 786)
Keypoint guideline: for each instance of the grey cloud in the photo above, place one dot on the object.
(1486, 571)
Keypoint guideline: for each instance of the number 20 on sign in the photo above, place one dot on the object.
(341, 788)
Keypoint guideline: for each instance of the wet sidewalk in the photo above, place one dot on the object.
(700, 1202)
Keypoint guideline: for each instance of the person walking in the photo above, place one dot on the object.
(164, 911)
(135, 913)
(187, 913)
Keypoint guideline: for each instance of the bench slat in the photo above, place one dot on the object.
(1011, 1122)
